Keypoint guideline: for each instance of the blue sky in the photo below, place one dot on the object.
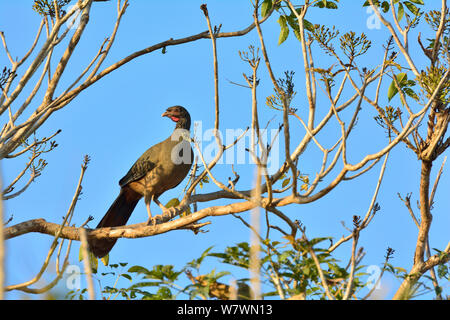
(118, 118)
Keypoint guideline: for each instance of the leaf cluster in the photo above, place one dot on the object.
(354, 46)
(5, 76)
(287, 85)
(288, 18)
(430, 79)
(288, 261)
(401, 81)
(391, 115)
(47, 7)
(403, 7)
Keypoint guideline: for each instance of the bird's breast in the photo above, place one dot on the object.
(171, 170)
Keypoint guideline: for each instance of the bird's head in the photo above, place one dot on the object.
(179, 115)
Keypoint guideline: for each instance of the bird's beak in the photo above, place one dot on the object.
(165, 114)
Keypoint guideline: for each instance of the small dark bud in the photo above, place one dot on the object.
(389, 253)
(204, 9)
(356, 221)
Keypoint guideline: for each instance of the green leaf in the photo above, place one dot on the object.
(308, 25)
(172, 203)
(315, 241)
(400, 270)
(284, 30)
(138, 269)
(164, 293)
(282, 257)
(105, 260)
(285, 182)
(127, 276)
(145, 284)
(293, 23)
(221, 274)
(385, 6)
(197, 262)
(400, 12)
(326, 4)
(93, 261)
(306, 270)
(438, 290)
(411, 7)
(375, 3)
(410, 92)
(265, 7)
(442, 271)
(80, 255)
(392, 91)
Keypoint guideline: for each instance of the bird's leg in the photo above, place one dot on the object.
(152, 220)
(148, 200)
(155, 200)
(148, 210)
(168, 212)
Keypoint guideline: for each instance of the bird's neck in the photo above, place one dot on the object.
(181, 131)
(184, 123)
(180, 134)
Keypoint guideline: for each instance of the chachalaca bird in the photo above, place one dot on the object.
(160, 168)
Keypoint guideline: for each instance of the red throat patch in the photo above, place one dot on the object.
(175, 119)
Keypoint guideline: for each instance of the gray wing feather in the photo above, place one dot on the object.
(137, 171)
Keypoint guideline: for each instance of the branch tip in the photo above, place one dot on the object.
(204, 9)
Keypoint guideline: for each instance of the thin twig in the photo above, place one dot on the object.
(87, 263)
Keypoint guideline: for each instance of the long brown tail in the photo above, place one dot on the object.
(117, 215)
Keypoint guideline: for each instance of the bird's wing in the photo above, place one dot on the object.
(141, 167)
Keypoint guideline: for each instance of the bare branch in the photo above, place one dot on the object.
(57, 233)
(87, 266)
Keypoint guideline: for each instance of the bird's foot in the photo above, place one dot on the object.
(169, 213)
(153, 221)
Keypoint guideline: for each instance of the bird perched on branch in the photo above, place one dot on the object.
(160, 168)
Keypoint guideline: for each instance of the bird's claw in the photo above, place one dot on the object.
(169, 213)
(154, 220)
